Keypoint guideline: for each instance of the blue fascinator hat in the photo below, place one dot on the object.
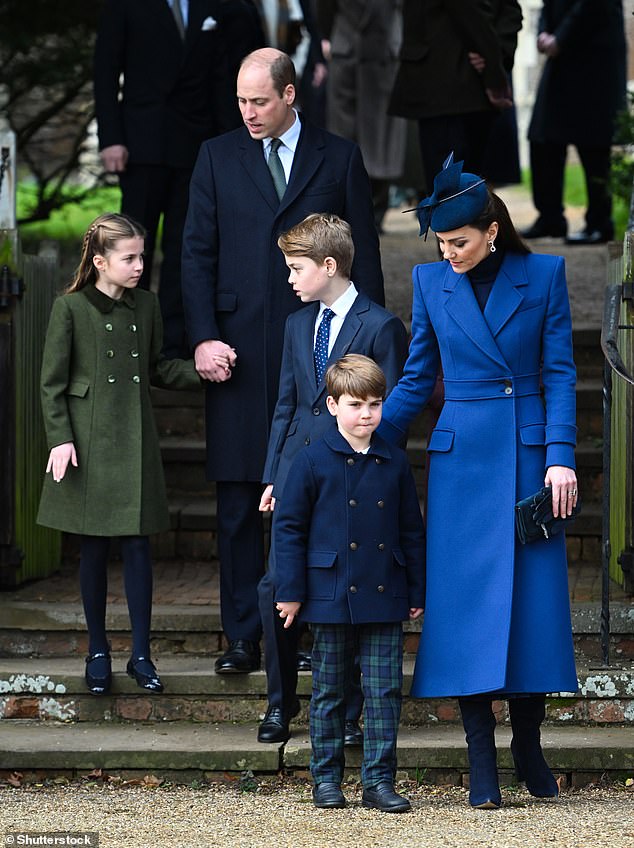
(457, 199)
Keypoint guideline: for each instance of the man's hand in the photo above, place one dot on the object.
(59, 458)
(214, 360)
(501, 98)
(477, 61)
(547, 44)
(114, 158)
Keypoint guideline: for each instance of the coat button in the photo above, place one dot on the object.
(112, 378)
(508, 390)
(381, 546)
(132, 328)
(110, 354)
(136, 379)
(378, 460)
(353, 546)
(134, 354)
(316, 411)
(352, 502)
(380, 504)
(353, 589)
(109, 327)
(350, 460)
(307, 440)
(380, 588)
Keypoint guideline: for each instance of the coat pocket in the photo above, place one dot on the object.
(78, 389)
(321, 575)
(533, 434)
(441, 441)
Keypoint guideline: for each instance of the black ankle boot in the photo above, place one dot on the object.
(527, 715)
(479, 724)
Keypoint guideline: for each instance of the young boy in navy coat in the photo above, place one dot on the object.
(319, 253)
(350, 553)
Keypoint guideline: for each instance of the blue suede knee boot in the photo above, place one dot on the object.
(527, 715)
(479, 724)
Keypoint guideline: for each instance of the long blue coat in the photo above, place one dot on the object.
(497, 615)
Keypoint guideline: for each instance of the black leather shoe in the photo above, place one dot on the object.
(352, 734)
(241, 657)
(143, 670)
(328, 796)
(98, 673)
(304, 661)
(274, 727)
(383, 797)
(542, 229)
(588, 237)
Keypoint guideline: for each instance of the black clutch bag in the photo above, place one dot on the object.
(534, 517)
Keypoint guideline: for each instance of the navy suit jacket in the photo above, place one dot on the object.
(348, 535)
(301, 415)
(235, 281)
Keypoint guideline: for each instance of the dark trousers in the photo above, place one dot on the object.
(280, 652)
(380, 651)
(147, 192)
(548, 162)
(241, 554)
(93, 581)
(467, 135)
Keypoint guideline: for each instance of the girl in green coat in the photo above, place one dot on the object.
(104, 475)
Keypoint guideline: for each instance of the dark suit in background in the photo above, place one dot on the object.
(235, 289)
(175, 94)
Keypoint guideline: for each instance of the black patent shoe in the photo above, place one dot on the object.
(143, 670)
(304, 661)
(98, 673)
(545, 229)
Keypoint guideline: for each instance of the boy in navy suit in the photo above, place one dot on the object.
(350, 553)
(319, 252)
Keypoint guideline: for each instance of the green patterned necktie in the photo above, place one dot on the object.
(276, 168)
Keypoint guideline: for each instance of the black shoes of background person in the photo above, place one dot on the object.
(589, 237)
(241, 657)
(143, 670)
(545, 229)
(274, 727)
(352, 734)
(383, 797)
(98, 673)
(328, 796)
(304, 661)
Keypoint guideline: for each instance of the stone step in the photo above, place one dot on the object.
(54, 689)
(182, 751)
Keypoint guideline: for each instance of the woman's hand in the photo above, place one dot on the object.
(58, 460)
(565, 490)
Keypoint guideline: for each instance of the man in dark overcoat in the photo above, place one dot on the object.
(452, 76)
(174, 58)
(237, 299)
(580, 93)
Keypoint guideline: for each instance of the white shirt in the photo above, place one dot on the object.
(184, 9)
(286, 150)
(340, 307)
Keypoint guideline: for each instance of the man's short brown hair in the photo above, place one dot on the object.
(318, 236)
(357, 376)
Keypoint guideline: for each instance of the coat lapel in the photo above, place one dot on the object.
(506, 295)
(252, 157)
(165, 16)
(309, 155)
(305, 332)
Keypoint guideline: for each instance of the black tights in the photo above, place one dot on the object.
(93, 581)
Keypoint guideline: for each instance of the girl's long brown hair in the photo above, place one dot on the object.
(100, 238)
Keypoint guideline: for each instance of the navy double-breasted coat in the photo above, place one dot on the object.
(349, 536)
(497, 615)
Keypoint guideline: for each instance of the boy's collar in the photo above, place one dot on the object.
(342, 305)
(378, 446)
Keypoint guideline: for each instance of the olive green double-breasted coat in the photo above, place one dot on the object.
(100, 358)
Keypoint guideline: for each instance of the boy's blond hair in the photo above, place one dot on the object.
(357, 376)
(318, 236)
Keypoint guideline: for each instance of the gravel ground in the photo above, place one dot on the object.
(280, 813)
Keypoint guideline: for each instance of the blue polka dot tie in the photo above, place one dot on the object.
(320, 354)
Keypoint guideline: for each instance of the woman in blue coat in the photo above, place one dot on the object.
(496, 319)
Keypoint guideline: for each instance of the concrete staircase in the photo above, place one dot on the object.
(205, 723)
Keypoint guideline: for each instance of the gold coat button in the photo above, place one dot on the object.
(132, 328)
(136, 379)
(109, 327)
(110, 354)
(134, 354)
(353, 546)
(112, 378)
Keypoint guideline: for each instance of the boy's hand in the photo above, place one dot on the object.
(288, 610)
(214, 360)
(58, 460)
(415, 612)
(267, 501)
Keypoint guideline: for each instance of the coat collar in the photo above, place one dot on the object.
(336, 442)
(104, 303)
(504, 301)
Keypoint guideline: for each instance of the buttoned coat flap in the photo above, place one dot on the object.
(441, 440)
(226, 301)
(533, 434)
(78, 389)
(321, 559)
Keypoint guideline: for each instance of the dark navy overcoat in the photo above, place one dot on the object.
(497, 614)
(349, 537)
